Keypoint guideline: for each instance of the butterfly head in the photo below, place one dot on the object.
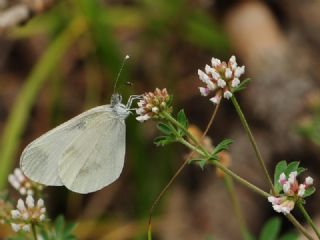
(119, 108)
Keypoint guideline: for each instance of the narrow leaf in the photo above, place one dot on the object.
(271, 229)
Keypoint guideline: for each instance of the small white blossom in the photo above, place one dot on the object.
(282, 178)
(235, 82)
(215, 99)
(30, 201)
(228, 73)
(309, 181)
(221, 83)
(15, 227)
(292, 177)
(215, 62)
(227, 94)
(239, 71)
(286, 187)
(15, 214)
(204, 91)
(26, 228)
(302, 189)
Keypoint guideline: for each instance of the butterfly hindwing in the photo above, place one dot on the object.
(95, 158)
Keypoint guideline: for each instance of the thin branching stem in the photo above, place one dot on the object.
(164, 190)
(299, 226)
(309, 219)
(253, 141)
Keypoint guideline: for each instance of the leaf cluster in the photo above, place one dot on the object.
(172, 133)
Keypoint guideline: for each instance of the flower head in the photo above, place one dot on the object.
(22, 184)
(153, 104)
(292, 192)
(221, 78)
(28, 212)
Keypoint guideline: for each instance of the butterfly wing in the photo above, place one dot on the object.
(39, 160)
(96, 157)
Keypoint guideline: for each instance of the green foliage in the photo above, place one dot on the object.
(60, 231)
(280, 168)
(182, 119)
(311, 129)
(222, 146)
(271, 231)
(243, 85)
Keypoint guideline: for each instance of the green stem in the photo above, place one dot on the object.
(179, 125)
(299, 226)
(203, 152)
(34, 231)
(226, 170)
(236, 206)
(309, 219)
(253, 141)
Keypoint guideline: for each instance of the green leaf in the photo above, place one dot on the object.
(280, 168)
(293, 166)
(164, 128)
(289, 236)
(59, 224)
(164, 140)
(309, 191)
(182, 119)
(224, 145)
(271, 229)
(300, 170)
(202, 163)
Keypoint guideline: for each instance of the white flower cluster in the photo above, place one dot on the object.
(292, 191)
(221, 78)
(23, 185)
(26, 213)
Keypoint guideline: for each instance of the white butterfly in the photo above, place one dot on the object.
(85, 153)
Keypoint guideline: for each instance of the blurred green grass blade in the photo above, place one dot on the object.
(20, 113)
(106, 48)
(204, 32)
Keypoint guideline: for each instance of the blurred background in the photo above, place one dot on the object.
(59, 58)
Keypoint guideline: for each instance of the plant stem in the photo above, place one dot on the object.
(299, 226)
(189, 135)
(177, 173)
(236, 206)
(308, 218)
(252, 140)
(34, 231)
(240, 179)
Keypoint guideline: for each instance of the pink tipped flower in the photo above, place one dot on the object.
(281, 204)
(221, 78)
(153, 104)
(22, 184)
(292, 192)
(27, 212)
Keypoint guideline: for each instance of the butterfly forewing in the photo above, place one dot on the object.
(95, 158)
(39, 160)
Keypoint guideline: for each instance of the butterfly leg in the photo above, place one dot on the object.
(131, 99)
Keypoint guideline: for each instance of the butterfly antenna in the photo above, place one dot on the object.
(122, 65)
